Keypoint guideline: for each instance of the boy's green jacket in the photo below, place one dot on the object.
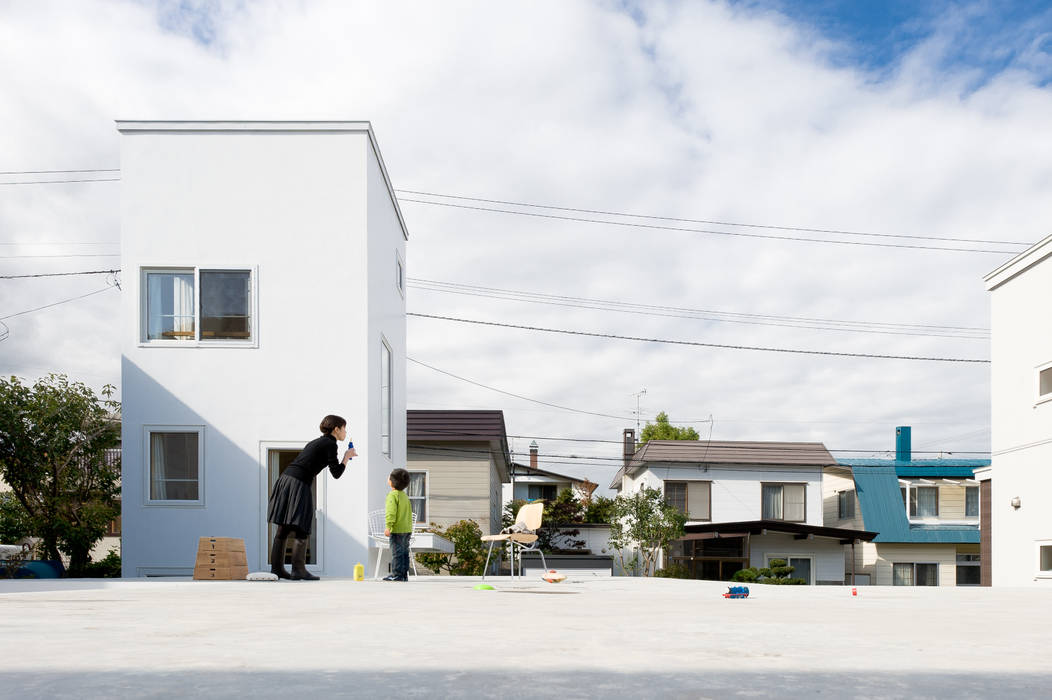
(398, 514)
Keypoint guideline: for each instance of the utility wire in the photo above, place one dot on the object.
(698, 344)
(54, 172)
(71, 255)
(705, 221)
(57, 182)
(60, 274)
(659, 227)
(64, 301)
(701, 314)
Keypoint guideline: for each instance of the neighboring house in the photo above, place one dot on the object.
(926, 512)
(263, 268)
(1019, 482)
(531, 483)
(458, 462)
(746, 504)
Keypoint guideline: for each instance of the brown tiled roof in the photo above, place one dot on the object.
(457, 426)
(724, 452)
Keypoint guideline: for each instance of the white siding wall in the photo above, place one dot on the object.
(827, 556)
(1021, 341)
(293, 207)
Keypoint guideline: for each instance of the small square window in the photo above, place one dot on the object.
(170, 305)
(174, 465)
(1044, 558)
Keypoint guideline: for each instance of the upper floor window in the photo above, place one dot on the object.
(924, 501)
(192, 304)
(692, 498)
(971, 501)
(400, 274)
(1044, 383)
(784, 502)
(846, 504)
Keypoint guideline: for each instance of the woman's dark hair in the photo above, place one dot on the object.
(330, 423)
(400, 479)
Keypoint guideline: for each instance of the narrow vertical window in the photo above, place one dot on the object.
(385, 398)
(971, 502)
(417, 492)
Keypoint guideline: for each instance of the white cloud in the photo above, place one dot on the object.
(697, 111)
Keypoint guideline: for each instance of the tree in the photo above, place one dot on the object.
(643, 521)
(777, 573)
(469, 554)
(661, 429)
(53, 440)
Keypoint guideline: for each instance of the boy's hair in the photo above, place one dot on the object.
(399, 479)
(330, 423)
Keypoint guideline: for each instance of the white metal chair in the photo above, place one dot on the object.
(521, 535)
(377, 525)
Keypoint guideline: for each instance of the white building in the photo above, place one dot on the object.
(264, 287)
(1020, 477)
(746, 503)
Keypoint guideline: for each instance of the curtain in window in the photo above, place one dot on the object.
(927, 502)
(225, 304)
(158, 468)
(971, 501)
(772, 502)
(801, 568)
(927, 574)
(902, 574)
(169, 306)
(793, 497)
(416, 491)
(676, 495)
(698, 500)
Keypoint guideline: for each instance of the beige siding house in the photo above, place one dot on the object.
(458, 462)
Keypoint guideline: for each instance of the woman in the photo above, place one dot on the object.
(291, 505)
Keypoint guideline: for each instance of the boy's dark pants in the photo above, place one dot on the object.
(400, 554)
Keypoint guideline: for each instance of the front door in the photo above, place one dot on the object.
(277, 461)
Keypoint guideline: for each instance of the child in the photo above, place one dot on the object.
(398, 519)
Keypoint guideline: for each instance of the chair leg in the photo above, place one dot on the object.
(543, 563)
(376, 569)
(412, 562)
(488, 555)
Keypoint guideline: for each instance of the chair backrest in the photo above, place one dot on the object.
(377, 523)
(530, 515)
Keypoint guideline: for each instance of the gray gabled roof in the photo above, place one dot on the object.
(803, 454)
(439, 426)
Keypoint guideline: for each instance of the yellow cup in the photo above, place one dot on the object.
(359, 572)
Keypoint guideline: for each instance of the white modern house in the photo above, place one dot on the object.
(1019, 481)
(746, 503)
(264, 287)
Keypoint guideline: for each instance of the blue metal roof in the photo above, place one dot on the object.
(880, 499)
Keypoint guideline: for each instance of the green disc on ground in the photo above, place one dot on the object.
(484, 587)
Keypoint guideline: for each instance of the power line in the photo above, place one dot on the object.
(55, 172)
(701, 314)
(705, 221)
(708, 231)
(61, 274)
(71, 255)
(699, 344)
(58, 182)
(64, 301)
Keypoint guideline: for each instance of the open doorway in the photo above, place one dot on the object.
(277, 460)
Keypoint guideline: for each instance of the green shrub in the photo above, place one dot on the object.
(469, 554)
(777, 574)
(108, 567)
(599, 510)
(673, 571)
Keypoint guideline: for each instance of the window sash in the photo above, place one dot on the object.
(174, 466)
(924, 501)
(699, 500)
(226, 304)
(846, 504)
(676, 495)
(197, 305)
(417, 493)
(971, 502)
(170, 305)
(784, 502)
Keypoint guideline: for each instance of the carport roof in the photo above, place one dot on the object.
(761, 527)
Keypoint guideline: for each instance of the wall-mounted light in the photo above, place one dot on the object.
(1016, 502)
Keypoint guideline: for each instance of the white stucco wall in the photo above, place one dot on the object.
(1021, 343)
(295, 203)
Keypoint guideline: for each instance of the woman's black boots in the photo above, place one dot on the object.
(299, 562)
(277, 558)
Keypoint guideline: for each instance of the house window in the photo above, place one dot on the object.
(113, 529)
(545, 492)
(692, 498)
(174, 461)
(846, 504)
(385, 398)
(174, 311)
(1044, 383)
(1044, 559)
(417, 492)
(971, 501)
(801, 566)
(967, 569)
(924, 501)
(784, 502)
(914, 574)
(400, 274)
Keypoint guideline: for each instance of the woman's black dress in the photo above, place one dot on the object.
(291, 502)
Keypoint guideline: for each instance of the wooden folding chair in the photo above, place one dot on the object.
(522, 536)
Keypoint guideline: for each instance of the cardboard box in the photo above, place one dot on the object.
(220, 573)
(221, 559)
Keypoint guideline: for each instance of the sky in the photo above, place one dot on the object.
(700, 172)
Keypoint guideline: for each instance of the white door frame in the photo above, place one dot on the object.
(265, 446)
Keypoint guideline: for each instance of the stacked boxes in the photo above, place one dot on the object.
(221, 559)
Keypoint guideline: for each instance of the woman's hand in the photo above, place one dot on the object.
(348, 454)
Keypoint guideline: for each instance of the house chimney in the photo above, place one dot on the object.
(533, 455)
(630, 445)
(903, 451)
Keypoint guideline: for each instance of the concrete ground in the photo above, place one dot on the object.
(438, 637)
